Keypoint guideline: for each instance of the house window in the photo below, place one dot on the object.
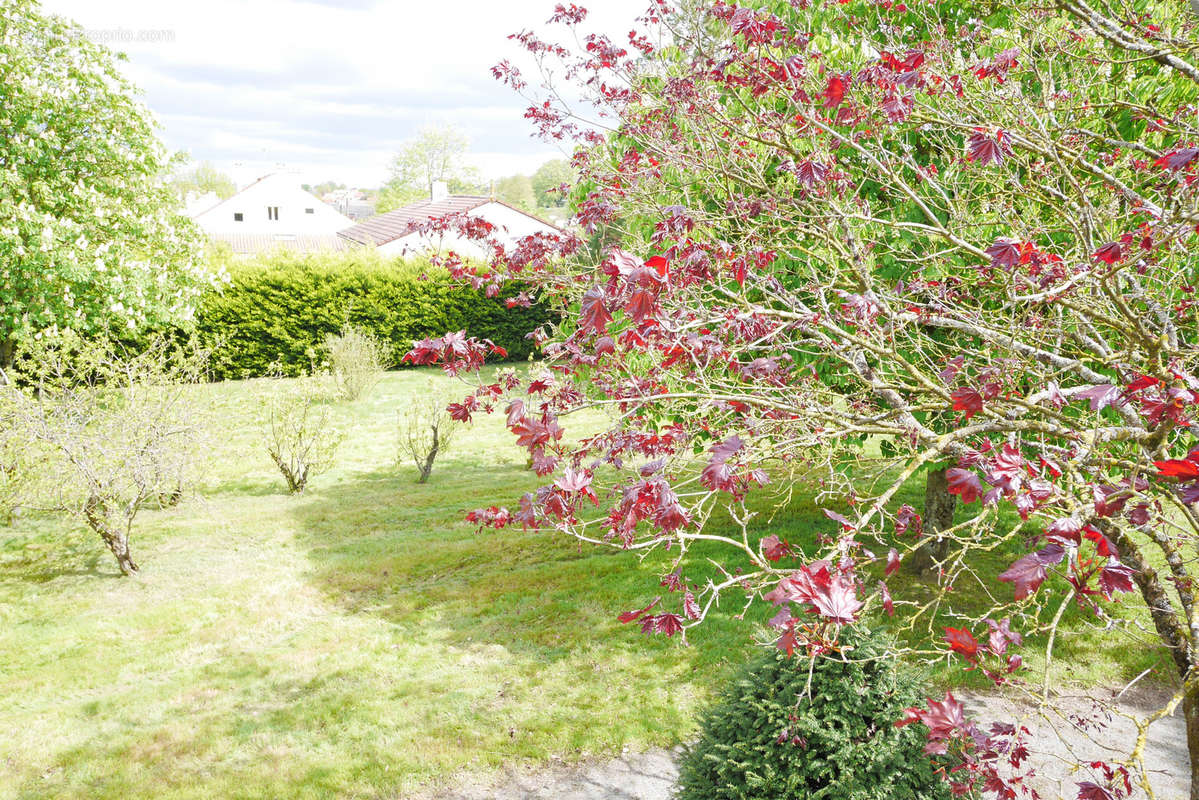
(237, 216)
(310, 211)
(272, 213)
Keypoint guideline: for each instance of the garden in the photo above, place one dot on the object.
(841, 447)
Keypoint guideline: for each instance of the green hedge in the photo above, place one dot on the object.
(274, 315)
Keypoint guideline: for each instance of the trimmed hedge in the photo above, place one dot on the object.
(274, 315)
(775, 736)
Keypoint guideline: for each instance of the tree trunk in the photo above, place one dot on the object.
(7, 351)
(1190, 710)
(427, 469)
(939, 506)
(117, 540)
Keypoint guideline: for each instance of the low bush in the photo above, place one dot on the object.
(276, 313)
(790, 728)
(299, 433)
(426, 431)
(357, 361)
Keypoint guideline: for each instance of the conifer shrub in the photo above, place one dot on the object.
(788, 728)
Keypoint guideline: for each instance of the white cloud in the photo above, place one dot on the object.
(330, 89)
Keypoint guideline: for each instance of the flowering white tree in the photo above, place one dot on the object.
(90, 234)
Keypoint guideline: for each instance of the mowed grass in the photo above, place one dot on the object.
(362, 640)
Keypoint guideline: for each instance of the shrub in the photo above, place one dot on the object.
(426, 430)
(120, 429)
(356, 361)
(278, 311)
(788, 727)
(22, 461)
(299, 434)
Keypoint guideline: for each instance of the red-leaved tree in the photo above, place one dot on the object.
(956, 236)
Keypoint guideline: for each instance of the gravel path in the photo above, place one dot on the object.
(634, 776)
(1166, 757)
(651, 775)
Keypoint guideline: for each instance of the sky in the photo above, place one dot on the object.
(330, 89)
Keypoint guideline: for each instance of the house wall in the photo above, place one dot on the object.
(282, 192)
(513, 224)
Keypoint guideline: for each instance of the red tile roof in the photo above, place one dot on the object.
(252, 243)
(388, 227)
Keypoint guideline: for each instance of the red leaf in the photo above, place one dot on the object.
(968, 400)
(1027, 574)
(774, 548)
(1093, 791)
(888, 603)
(892, 563)
(964, 483)
(835, 517)
(834, 92)
(1115, 577)
(1064, 531)
(1177, 159)
(1001, 635)
(1109, 253)
(629, 616)
(593, 315)
(1102, 396)
(1142, 382)
(669, 624)
(962, 641)
(657, 263)
(718, 475)
(1103, 545)
(944, 720)
(810, 173)
(641, 305)
(1004, 253)
(1186, 469)
(690, 607)
(837, 602)
(987, 149)
(788, 642)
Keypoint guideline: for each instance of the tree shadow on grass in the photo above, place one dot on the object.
(33, 550)
(385, 545)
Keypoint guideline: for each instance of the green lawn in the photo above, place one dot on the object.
(357, 641)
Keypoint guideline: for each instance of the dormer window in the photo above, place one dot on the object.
(238, 216)
(272, 213)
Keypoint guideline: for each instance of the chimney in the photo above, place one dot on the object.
(441, 190)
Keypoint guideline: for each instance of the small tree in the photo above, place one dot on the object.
(120, 429)
(426, 431)
(299, 434)
(357, 361)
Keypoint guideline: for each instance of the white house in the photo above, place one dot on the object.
(274, 211)
(393, 232)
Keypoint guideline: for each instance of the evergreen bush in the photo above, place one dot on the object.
(788, 728)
